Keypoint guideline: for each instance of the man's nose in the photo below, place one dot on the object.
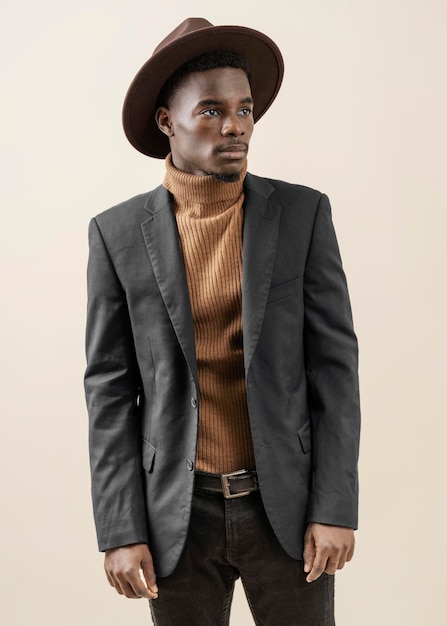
(232, 125)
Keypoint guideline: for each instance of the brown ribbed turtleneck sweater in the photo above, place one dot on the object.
(209, 220)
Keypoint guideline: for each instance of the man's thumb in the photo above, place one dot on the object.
(147, 575)
(308, 552)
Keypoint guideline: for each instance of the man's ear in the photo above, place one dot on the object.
(164, 121)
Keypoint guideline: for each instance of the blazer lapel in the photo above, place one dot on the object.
(260, 236)
(162, 242)
(261, 224)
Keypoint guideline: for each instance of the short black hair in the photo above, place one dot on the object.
(206, 61)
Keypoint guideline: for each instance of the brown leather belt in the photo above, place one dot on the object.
(234, 485)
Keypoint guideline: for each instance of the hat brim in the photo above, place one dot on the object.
(261, 53)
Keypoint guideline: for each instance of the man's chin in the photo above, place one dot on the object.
(230, 175)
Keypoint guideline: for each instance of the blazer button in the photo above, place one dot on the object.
(194, 403)
(189, 465)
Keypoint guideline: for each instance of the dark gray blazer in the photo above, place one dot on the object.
(141, 382)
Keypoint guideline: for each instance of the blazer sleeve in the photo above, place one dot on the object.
(112, 385)
(332, 371)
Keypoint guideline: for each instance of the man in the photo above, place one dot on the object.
(222, 364)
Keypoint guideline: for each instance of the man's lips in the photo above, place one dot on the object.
(234, 150)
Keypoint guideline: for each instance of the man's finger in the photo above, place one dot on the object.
(350, 552)
(318, 567)
(115, 583)
(129, 591)
(332, 565)
(147, 576)
(308, 561)
(341, 562)
(308, 552)
(130, 570)
(133, 586)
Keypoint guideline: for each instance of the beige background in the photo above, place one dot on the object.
(361, 116)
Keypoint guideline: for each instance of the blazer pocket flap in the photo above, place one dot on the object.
(148, 456)
(283, 290)
(305, 436)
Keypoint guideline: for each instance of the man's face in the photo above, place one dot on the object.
(209, 122)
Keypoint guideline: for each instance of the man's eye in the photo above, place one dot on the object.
(246, 112)
(211, 112)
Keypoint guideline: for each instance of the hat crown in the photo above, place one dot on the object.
(188, 26)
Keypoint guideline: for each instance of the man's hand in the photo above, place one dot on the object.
(326, 549)
(130, 570)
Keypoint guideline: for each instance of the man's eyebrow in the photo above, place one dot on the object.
(213, 102)
(208, 102)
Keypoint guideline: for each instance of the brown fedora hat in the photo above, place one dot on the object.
(190, 39)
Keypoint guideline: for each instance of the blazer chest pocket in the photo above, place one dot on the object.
(305, 436)
(283, 290)
(148, 456)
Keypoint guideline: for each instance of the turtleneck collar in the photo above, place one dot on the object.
(201, 195)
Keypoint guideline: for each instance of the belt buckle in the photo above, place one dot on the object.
(225, 480)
